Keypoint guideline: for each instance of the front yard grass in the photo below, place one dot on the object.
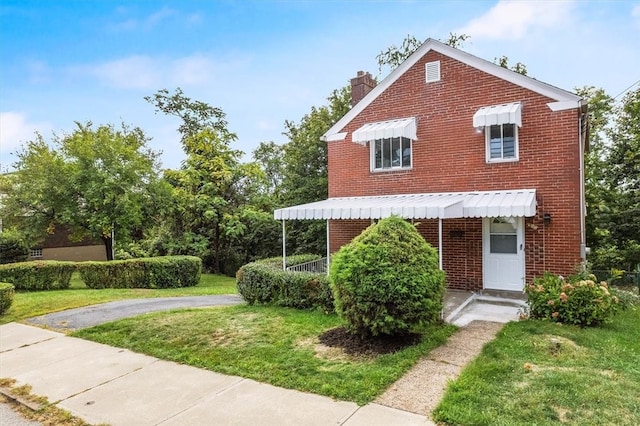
(27, 304)
(268, 344)
(541, 373)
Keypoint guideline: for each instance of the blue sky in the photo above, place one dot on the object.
(264, 62)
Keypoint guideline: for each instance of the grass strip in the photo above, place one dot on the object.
(541, 373)
(35, 408)
(268, 344)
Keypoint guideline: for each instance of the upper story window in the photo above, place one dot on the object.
(500, 124)
(390, 142)
(391, 153)
(502, 142)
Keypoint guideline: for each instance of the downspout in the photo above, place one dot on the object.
(284, 247)
(583, 207)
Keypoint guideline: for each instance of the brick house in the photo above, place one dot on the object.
(487, 162)
(58, 246)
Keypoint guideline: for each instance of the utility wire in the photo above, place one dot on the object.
(626, 90)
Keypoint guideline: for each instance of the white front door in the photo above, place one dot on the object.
(503, 253)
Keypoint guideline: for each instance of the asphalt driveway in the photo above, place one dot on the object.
(89, 316)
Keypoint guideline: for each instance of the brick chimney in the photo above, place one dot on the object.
(360, 86)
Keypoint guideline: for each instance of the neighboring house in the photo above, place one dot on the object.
(487, 162)
(58, 246)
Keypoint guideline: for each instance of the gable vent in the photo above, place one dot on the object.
(433, 71)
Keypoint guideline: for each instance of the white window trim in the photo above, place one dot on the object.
(372, 159)
(35, 253)
(516, 146)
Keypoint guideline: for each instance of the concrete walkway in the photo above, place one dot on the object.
(103, 384)
(480, 317)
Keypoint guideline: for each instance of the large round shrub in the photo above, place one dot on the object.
(387, 280)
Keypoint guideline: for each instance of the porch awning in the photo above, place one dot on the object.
(405, 127)
(418, 206)
(498, 114)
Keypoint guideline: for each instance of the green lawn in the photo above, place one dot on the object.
(540, 373)
(267, 344)
(30, 304)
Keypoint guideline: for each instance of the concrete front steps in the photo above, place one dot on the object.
(488, 305)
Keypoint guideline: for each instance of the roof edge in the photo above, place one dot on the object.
(559, 95)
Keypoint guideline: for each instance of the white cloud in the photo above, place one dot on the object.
(38, 72)
(195, 19)
(134, 72)
(192, 70)
(635, 13)
(510, 19)
(15, 128)
(145, 23)
(149, 72)
(157, 17)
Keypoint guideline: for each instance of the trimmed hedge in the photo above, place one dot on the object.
(6, 296)
(38, 275)
(265, 282)
(151, 272)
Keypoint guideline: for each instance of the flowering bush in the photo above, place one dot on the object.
(577, 300)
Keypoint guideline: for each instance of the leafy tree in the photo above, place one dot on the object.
(269, 157)
(95, 180)
(624, 161)
(598, 197)
(195, 115)
(206, 196)
(519, 67)
(218, 203)
(305, 169)
(611, 180)
(394, 56)
(13, 247)
(456, 40)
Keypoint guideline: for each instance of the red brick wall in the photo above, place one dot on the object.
(450, 156)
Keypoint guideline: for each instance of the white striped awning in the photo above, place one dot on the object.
(508, 203)
(405, 127)
(498, 114)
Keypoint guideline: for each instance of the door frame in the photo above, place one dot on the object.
(486, 233)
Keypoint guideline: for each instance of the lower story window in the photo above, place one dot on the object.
(391, 153)
(35, 252)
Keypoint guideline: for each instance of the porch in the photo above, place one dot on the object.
(479, 235)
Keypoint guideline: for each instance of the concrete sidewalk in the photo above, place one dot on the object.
(103, 384)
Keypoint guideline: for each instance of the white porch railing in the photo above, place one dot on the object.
(315, 266)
